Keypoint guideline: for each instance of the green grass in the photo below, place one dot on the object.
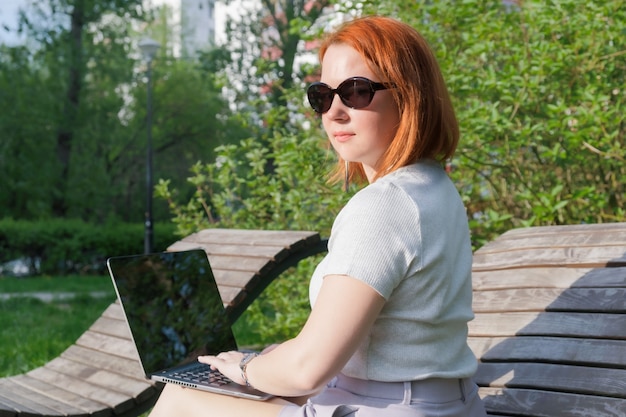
(32, 332)
(81, 284)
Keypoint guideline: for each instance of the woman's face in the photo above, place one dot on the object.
(357, 135)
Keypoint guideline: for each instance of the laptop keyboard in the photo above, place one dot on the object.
(203, 374)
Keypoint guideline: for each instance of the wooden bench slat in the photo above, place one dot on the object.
(549, 278)
(589, 325)
(110, 327)
(236, 279)
(114, 311)
(108, 398)
(542, 239)
(281, 238)
(35, 402)
(590, 352)
(131, 387)
(608, 300)
(594, 234)
(276, 253)
(126, 367)
(554, 377)
(535, 403)
(241, 263)
(124, 348)
(550, 257)
(69, 399)
(9, 408)
(600, 229)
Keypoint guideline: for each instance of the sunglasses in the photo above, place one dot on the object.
(355, 92)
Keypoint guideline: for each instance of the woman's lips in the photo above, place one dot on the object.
(342, 136)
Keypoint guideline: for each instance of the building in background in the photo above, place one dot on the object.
(198, 26)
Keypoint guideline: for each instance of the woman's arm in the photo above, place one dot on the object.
(343, 314)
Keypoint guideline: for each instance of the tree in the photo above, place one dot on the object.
(26, 169)
(266, 42)
(77, 148)
(65, 37)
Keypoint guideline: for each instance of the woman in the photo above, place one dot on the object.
(387, 334)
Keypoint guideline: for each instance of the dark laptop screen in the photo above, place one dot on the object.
(173, 307)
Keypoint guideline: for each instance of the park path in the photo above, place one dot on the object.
(48, 297)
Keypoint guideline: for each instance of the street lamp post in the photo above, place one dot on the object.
(149, 49)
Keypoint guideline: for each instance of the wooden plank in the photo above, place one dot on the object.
(580, 257)
(593, 234)
(124, 348)
(284, 238)
(127, 367)
(241, 263)
(587, 228)
(238, 279)
(588, 325)
(110, 399)
(111, 327)
(9, 407)
(114, 311)
(564, 239)
(34, 403)
(590, 352)
(549, 278)
(131, 387)
(608, 300)
(534, 403)
(553, 377)
(292, 240)
(70, 400)
(276, 253)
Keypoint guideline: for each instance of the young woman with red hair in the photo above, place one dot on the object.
(387, 333)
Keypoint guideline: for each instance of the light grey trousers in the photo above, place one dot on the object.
(350, 397)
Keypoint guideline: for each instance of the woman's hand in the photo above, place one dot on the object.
(227, 363)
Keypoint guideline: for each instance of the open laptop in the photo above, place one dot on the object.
(175, 314)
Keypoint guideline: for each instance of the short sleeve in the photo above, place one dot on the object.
(376, 238)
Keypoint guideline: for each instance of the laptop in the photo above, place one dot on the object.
(175, 314)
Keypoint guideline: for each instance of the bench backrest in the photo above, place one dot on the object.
(550, 326)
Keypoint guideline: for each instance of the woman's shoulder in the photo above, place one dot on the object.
(403, 183)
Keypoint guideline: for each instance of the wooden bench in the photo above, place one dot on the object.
(550, 326)
(99, 375)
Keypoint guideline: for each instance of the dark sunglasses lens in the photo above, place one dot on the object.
(320, 97)
(356, 93)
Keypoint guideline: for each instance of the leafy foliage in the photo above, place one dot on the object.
(73, 112)
(539, 92)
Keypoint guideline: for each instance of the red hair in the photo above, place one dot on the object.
(400, 56)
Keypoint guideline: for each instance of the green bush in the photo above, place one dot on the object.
(539, 91)
(72, 246)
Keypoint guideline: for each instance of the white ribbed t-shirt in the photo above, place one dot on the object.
(406, 235)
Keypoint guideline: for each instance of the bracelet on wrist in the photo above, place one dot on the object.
(244, 364)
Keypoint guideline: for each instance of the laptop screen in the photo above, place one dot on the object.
(173, 307)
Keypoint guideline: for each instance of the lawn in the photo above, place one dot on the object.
(33, 331)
